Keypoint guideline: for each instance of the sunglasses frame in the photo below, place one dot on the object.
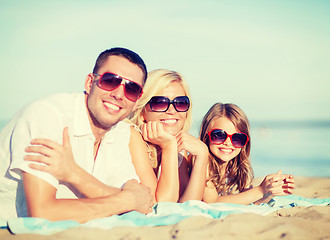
(123, 82)
(169, 102)
(228, 136)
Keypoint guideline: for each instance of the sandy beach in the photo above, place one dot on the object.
(291, 223)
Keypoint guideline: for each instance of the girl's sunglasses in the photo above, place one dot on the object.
(162, 104)
(219, 136)
(109, 81)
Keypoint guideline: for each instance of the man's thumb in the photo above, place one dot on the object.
(66, 138)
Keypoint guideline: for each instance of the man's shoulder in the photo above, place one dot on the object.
(58, 98)
(51, 106)
(54, 101)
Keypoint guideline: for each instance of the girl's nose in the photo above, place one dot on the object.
(227, 141)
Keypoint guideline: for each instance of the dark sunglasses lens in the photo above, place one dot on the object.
(182, 103)
(218, 136)
(109, 81)
(239, 139)
(159, 104)
(132, 90)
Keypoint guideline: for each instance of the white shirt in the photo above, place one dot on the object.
(47, 118)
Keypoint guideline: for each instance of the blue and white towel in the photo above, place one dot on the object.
(164, 213)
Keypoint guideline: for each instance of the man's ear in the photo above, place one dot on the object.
(88, 82)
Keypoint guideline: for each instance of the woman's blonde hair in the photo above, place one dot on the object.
(157, 80)
(239, 173)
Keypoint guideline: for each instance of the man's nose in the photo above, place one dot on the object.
(118, 93)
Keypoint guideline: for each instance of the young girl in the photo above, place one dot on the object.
(225, 130)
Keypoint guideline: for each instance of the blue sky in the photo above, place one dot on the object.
(271, 58)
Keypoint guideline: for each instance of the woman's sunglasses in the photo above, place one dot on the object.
(109, 81)
(162, 104)
(219, 136)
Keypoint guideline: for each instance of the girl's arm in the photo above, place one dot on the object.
(246, 197)
(195, 183)
(168, 182)
(276, 185)
(272, 185)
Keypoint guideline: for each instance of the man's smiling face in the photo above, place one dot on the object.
(106, 108)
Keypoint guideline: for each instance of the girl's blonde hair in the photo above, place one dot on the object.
(157, 80)
(239, 173)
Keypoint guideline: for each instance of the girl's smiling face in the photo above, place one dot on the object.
(225, 151)
(172, 120)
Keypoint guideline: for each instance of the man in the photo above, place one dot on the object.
(98, 139)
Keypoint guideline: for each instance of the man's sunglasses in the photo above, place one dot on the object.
(162, 104)
(109, 81)
(219, 136)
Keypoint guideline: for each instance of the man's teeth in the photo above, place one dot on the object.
(169, 121)
(111, 106)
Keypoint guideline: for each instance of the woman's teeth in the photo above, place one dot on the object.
(169, 121)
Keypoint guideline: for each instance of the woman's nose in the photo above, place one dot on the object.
(171, 109)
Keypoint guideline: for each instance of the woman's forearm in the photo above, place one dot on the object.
(168, 183)
(197, 180)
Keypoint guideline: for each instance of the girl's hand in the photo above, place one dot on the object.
(57, 159)
(191, 144)
(277, 184)
(154, 132)
(289, 184)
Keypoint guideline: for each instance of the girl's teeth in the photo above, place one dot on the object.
(226, 150)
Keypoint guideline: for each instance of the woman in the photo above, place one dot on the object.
(164, 117)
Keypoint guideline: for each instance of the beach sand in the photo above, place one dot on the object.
(292, 223)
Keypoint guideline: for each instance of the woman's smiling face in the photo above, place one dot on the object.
(172, 120)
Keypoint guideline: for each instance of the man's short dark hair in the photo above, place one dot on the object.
(122, 52)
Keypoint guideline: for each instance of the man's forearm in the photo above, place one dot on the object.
(41, 202)
(89, 186)
(83, 210)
